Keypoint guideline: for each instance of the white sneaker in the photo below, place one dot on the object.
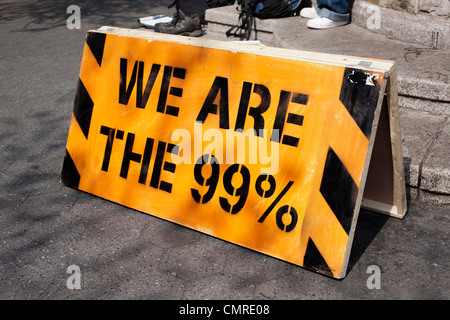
(324, 23)
(309, 13)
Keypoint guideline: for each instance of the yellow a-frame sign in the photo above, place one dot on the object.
(272, 149)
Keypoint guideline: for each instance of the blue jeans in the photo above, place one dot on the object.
(336, 10)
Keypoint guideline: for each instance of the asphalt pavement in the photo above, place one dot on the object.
(52, 236)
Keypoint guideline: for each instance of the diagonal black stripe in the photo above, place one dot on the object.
(96, 42)
(82, 109)
(339, 190)
(314, 260)
(69, 175)
(360, 97)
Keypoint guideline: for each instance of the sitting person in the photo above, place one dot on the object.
(190, 14)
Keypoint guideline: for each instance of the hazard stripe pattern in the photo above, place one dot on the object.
(338, 188)
(82, 109)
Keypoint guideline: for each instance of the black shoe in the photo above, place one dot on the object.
(181, 25)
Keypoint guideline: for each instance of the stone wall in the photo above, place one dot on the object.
(435, 7)
(439, 8)
(425, 22)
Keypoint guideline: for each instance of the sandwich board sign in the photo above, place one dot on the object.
(272, 149)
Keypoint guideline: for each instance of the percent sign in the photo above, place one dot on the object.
(283, 210)
(242, 190)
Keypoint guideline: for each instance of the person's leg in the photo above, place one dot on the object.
(193, 7)
(327, 14)
(336, 10)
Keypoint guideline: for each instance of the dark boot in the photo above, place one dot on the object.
(181, 25)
